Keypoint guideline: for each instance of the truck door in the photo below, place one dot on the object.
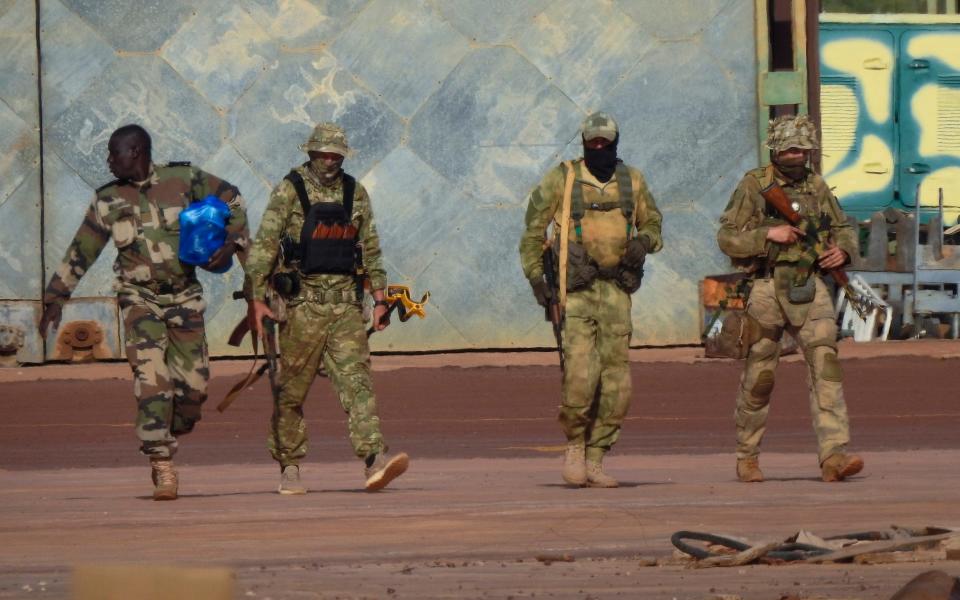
(859, 120)
(930, 120)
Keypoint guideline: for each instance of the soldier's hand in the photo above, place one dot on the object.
(221, 257)
(256, 311)
(832, 258)
(379, 312)
(541, 292)
(52, 313)
(784, 234)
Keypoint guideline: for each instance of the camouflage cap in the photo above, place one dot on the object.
(327, 137)
(792, 131)
(599, 125)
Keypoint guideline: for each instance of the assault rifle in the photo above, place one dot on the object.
(551, 312)
(269, 350)
(779, 201)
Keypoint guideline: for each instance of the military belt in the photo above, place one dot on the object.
(331, 296)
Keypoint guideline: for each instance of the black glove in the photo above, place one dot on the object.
(542, 292)
(635, 254)
(52, 313)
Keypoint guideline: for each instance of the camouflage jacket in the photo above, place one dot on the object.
(604, 232)
(284, 216)
(747, 218)
(143, 221)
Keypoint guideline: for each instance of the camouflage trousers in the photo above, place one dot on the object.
(332, 335)
(596, 341)
(167, 350)
(817, 340)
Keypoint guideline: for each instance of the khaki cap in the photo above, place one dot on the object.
(327, 137)
(599, 125)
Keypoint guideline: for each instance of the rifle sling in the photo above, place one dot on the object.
(565, 231)
(249, 379)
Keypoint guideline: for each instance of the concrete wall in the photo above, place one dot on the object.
(455, 109)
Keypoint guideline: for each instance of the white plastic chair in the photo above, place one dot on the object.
(864, 329)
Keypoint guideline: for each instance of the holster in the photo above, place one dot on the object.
(738, 332)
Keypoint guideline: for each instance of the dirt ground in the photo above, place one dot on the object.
(483, 498)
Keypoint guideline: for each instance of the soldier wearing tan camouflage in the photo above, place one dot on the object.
(324, 325)
(788, 293)
(613, 224)
(160, 297)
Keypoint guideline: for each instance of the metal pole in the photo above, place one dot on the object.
(916, 255)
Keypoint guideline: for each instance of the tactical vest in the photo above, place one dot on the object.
(328, 238)
(607, 248)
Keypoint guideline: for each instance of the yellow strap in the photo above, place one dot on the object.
(565, 231)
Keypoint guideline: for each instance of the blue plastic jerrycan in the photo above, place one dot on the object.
(203, 230)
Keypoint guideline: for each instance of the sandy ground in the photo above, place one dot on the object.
(483, 498)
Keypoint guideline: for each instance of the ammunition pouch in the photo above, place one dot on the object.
(630, 268)
(629, 279)
(581, 269)
(286, 284)
(802, 293)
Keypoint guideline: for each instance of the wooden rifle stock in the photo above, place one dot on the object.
(774, 195)
(778, 199)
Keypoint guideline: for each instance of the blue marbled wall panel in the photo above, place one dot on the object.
(454, 108)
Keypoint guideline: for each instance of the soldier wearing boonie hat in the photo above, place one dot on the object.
(324, 325)
(788, 293)
(600, 249)
(327, 137)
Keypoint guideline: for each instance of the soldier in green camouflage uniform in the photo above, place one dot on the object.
(788, 293)
(620, 221)
(324, 324)
(160, 297)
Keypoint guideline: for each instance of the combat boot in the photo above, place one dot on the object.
(380, 471)
(574, 466)
(597, 478)
(290, 481)
(164, 479)
(748, 470)
(839, 466)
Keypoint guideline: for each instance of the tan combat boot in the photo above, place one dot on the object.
(839, 466)
(290, 481)
(164, 479)
(574, 466)
(382, 471)
(597, 478)
(748, 470)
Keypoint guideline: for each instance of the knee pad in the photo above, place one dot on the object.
(831, 370)
(763, 386)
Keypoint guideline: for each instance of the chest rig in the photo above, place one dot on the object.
(328, 237)
(579, 208)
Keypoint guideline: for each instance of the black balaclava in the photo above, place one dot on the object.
(601, 162)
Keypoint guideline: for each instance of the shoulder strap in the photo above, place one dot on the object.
(577, 208)
(106, 185)
(349, 187)
(565, 230)
(625, 191)
(297, 182)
